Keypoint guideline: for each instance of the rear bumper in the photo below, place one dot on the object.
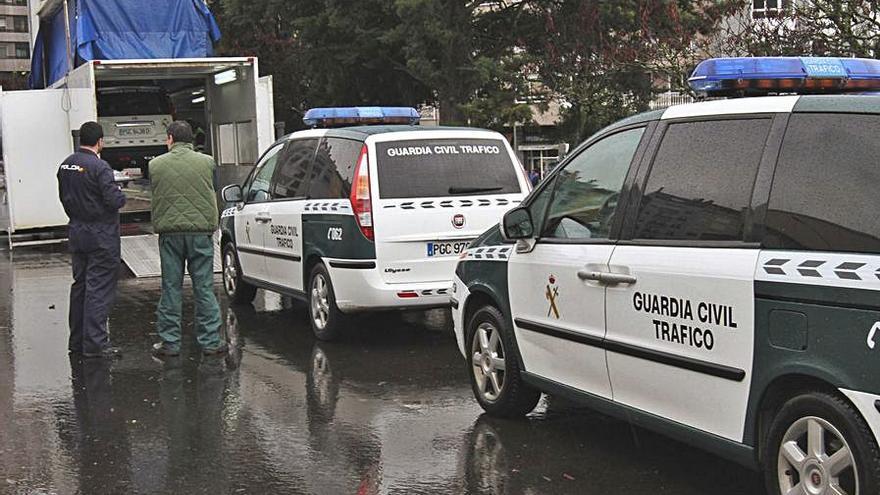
(362, 289)
(132, 156)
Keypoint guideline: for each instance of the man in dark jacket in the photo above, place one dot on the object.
(92, 201)
(185, 216)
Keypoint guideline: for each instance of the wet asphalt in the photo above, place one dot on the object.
(386, 410)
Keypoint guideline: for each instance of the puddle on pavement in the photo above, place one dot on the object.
(386, 410)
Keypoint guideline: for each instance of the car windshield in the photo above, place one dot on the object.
(121, 102)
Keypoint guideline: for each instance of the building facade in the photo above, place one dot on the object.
(15, 43)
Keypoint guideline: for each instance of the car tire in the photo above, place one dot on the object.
(805, 436)
(237, 290)
(494, 366)
(324, 315)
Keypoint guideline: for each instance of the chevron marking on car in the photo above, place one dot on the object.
(490, 253)
(834, 269)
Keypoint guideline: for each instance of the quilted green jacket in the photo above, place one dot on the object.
(184, 200)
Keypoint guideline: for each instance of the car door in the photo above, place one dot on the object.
(558, 311)
(680, 331)
(251, 220)
(284, 231)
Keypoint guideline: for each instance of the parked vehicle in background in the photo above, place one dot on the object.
(365, 218)
(134, 119)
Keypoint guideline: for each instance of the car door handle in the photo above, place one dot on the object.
(606, 277)
(263, 218)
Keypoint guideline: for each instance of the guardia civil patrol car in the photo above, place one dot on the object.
(371, 216)
(711, 271)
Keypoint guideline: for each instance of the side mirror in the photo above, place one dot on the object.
(517, 224)
(232, 194)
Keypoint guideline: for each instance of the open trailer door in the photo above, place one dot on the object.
(36, 137)
(265, 113)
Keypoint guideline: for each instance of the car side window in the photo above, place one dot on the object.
(258, 190)
(334, 168)
(700, 184)
(825, 185)
(586, 190)
(296, 160)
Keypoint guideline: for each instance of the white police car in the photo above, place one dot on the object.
(711, 271)
(363, 218)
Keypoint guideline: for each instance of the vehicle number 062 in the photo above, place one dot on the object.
(334, 233)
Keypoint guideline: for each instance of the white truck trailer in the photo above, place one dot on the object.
(224, 96)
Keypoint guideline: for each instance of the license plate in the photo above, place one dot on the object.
(135, 131)
(453, 248)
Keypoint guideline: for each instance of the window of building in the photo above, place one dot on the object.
(767, 8)
(700, 185)
(291, 180)
(19, 24)
(825, 185)
(22, 50)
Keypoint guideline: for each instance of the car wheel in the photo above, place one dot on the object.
(238, 291)
(495, 374)
(819, 444)
(324, 315)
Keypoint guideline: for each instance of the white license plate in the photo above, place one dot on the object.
(452, 248)
(135, 131)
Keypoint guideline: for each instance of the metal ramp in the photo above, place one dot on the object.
(140, 253)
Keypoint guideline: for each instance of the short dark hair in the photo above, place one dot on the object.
(180, 131)
(90, 133)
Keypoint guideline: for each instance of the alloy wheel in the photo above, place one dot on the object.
(320, 303)
(230, 272)
(488, 361)
(815, 459)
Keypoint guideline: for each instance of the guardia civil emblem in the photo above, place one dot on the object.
(552, 294)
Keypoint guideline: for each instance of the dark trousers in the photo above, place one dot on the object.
(95, 258)
(196, 253)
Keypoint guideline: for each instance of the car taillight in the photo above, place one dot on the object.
(361, 202)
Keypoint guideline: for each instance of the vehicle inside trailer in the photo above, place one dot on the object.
(136, 100)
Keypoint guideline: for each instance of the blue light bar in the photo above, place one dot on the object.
(341, 116)
(763, 75)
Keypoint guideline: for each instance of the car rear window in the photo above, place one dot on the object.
(825, 186)
(124, 102)
(427, 168)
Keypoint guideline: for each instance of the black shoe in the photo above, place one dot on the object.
(106, 353)
(221, 349)
(160, 349)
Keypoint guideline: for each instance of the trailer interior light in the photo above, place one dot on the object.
(225, 77)
(342, 116)
(754, 76)
(200, 99)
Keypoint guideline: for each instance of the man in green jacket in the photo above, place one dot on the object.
(185, 216)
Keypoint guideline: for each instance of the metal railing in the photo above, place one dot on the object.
(665, 100)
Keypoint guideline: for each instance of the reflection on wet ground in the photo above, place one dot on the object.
(386, 410)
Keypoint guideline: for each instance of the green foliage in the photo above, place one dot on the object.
(487, 64)
(841, 28)
(604, 58)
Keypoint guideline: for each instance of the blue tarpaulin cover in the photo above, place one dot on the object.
(123, 29)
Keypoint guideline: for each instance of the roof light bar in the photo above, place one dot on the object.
(764, 75)
(342, 116)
